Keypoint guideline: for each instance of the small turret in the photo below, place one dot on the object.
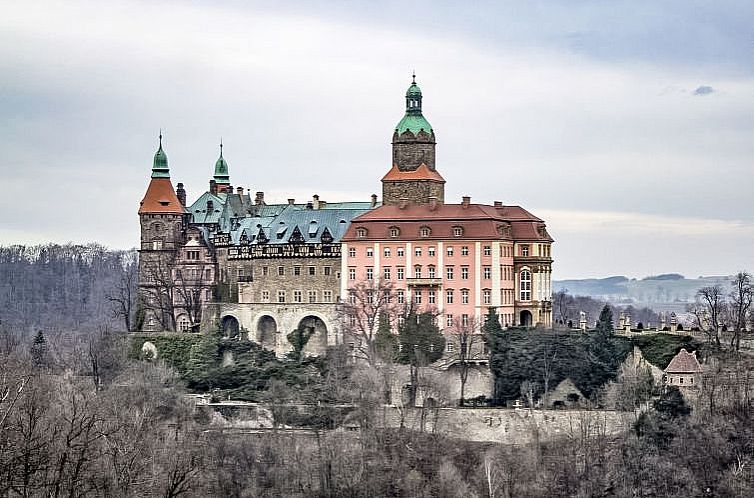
(160, 163)
(222, 178)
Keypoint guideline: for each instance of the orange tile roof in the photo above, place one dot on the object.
(684, 362)
(421, 173)
(161, 198)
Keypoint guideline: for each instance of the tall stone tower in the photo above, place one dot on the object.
(413, 177)
(163, 218)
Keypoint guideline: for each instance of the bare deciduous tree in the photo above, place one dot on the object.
(710, 306)
(360, 315)
(740, 303)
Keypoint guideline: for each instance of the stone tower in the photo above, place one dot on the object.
(413, 177)
(163, 219)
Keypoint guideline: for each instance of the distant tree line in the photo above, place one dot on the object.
(66, 287)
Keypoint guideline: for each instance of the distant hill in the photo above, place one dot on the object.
(669, 291)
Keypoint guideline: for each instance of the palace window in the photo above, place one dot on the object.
(386, 273)
(431, 251)
(487, 296)
(399, 273)
(399, 252)
(487, 250)
(449, 346)
(156, 245)
(326, 271)
(281, 270)
(312, 271)
(417, 271)
(327, 296)
(394, 232)
(432, 297)
(525, 251)
(417, 297)
(418, 252)
(457, 231)
(487, 272)
(464, 296)
(525, 285)
(297, 296)
(352, 274)
(431, 270)
(193, 255)
(424, 232)
(448, 320)
(351, 252)
(464, 250)
(401, 297)
(312, 295)
(297, 270)
(361, 232)
(464, 320)
(386, 252)
(449, 272)
(464, 273)
(449, 296)
(370, 252)
(265, 271)
(449, 251)
(281, 296)
(265, 296)
(184, 324)
(370, 273)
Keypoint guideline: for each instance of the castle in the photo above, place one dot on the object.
(262, 270)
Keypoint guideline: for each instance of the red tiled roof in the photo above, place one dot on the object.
(478, 221)
(684, 362)
(421, 173)
(161, 198)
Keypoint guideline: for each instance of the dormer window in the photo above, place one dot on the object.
(457, 231)
(394, 232)
(361, 232)
(525, 251)
(424, 232)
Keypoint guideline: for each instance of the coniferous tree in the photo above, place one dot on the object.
(39, 353)
(421, 343)
(386, 343)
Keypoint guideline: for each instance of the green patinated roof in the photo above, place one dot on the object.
(221, 169)
(160, 163)
(413, 123)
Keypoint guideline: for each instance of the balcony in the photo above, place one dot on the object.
(424, 282)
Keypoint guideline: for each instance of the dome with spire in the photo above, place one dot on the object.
(413, 120)
(160, 163)
(221, 169)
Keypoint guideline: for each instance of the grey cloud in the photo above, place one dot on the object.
(704, 90)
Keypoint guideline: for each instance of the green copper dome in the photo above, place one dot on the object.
(221, 169)
(413, 121)
(160, 163)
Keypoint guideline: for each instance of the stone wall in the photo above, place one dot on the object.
(410, 155)
(415, 191)
(511, 426)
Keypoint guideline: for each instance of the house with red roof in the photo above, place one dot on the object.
(684, 370)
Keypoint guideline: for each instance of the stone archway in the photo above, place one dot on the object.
(267, 329)
(229, 326)
(525, 318)
(316, 328)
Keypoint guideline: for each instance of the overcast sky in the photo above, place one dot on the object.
(627, 125)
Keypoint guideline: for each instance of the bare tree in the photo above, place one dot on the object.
(123, 296)
(159, 291)
(711, 303)
(548, 359)
(467, 349)
(740, 303)
(562, 303)
(360, 314)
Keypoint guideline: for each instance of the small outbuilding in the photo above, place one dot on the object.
(565, 395)
(684, 370)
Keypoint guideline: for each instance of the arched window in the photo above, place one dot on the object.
(457, 231)
(361, 232)
(184, 324)
(424, 232)
(394, 231)
(417, 271)
(525, 285)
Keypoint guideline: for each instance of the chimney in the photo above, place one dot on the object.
(229, 189)
(374, 200)
(322, 204)
(309, 205)
(291, 202)
(210, 206)
(181, 193)
(239, 190)
(433, 203)
(213, 187)
(466, 200)
(498, 204)
(315, 201)
(259, 199)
